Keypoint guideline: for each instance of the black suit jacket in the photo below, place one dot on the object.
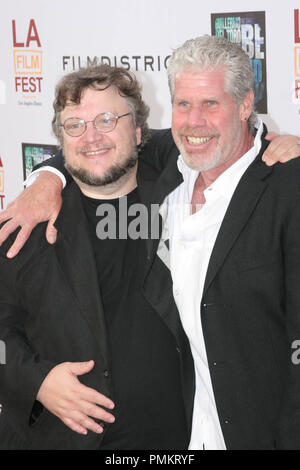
(250, 309)
(51, 312)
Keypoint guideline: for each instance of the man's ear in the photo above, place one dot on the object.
(246, 106)
(138, 133)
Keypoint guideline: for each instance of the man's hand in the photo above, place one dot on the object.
(281, 149)
(38, 203)
(74, 403)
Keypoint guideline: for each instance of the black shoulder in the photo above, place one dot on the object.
(36, 243)
(286, 178)
(160, 149)
(290, 169)
(56, 162)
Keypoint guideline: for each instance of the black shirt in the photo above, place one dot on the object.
(149, 407)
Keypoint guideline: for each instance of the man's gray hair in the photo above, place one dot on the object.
(211, 52)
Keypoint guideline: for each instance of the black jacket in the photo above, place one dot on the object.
(250, 309)
(51, 312)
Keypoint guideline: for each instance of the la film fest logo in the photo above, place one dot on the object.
(28, 62)
(2, 195)
(297, 54)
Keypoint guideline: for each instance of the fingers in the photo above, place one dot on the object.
(77, 405)
(23, 235)
(282, 149)
(20, 241)
(51, 233)
(94, 411)
(81, 423)
(273, 152)
(74, 426)
(10, 226)
(271, 135)
(38, 203)
(80, 368)
(92, 396)
(80, 414)
(89, 394)
(5, 215)
(7, 229)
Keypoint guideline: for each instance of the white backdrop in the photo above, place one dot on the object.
(43, 39)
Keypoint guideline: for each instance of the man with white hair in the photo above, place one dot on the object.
(230, 237)
(234, 255)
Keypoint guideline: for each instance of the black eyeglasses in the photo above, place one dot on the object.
(103, 122)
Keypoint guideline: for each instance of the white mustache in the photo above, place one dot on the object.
(196, 133)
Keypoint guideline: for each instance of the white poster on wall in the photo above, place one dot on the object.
(41, 41)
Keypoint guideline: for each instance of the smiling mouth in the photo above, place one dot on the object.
(198, 140)
(93, 153)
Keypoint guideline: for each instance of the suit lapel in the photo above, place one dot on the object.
(76, 258)
(154, 196)
(242, 204)
(157, 285)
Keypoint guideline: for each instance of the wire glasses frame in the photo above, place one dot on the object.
(103, 122)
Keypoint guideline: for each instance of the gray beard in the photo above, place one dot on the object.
(111, 176)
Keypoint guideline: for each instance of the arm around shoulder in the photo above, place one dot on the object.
(38, 203)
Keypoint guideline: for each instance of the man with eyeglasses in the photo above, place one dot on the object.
(151, 393)
(86, 349)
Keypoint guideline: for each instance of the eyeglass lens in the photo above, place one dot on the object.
(104, 122)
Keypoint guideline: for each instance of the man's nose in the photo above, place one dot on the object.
(91, 134)
(196, 117)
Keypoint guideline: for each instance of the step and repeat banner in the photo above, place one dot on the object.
(41, 40)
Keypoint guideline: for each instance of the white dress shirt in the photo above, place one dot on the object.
(192, 238)
(33, 176)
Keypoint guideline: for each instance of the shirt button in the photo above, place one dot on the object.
(176, 292)
(106, 373)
